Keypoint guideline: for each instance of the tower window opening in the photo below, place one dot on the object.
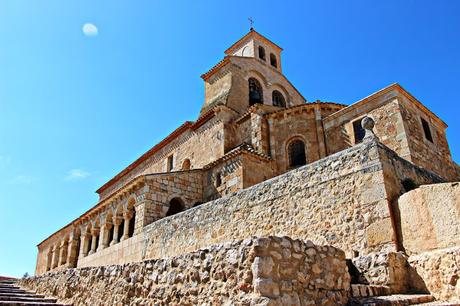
(255, 92)
(426, 130)
(261, 53)
(273, 61)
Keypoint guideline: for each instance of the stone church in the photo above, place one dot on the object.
(261, 160)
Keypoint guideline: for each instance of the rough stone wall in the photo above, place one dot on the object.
(256, 170)
(255, 271)
(437, 272)
(434, 156)
(398, 171)
(383, 269)
(430, 217)
(343, 200)
(340, 200)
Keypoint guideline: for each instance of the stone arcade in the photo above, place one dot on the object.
(262, 161)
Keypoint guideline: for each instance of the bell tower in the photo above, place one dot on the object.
(257, 46)
(249, 74)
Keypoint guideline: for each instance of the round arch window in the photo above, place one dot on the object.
(278, 99)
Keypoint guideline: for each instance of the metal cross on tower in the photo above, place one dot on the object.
(251, 22)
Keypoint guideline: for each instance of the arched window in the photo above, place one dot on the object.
(278, 99)
(255, 92)
(296, 152)
(261, 53)
(175, 206)
(273, 60)
(186, 164)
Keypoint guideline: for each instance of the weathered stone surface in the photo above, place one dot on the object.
(430, 217)
(437, 272)
(387, 269)
(242, 272)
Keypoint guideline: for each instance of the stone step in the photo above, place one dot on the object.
(9, 286)
(13, 290)
(19, 303)
(360, 290)
(394, 299)
(21, 295)
(27, 299)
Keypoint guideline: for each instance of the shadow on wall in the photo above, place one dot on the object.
(407, 185)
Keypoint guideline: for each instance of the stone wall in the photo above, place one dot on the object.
(343, 200)
(437, 272)
(434, 156)
(430, 217)
(397, 117)
(255, 271)
(383, 269)
(340, 200)
(389, 127)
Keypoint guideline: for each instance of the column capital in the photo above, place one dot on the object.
(117, 220)
(127, 215)
(95, 231)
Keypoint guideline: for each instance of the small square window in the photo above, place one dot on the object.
(426, 130)
(358, 131)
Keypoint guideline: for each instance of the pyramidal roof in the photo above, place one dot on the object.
(251, 35)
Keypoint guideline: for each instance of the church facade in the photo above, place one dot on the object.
(254, 125)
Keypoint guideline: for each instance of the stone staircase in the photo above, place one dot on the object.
(11, 294)
(370, 295)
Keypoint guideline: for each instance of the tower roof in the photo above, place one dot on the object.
(251, 34)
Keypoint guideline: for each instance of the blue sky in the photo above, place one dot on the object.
(77, 109)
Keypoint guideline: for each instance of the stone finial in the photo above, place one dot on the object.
(368, 124)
